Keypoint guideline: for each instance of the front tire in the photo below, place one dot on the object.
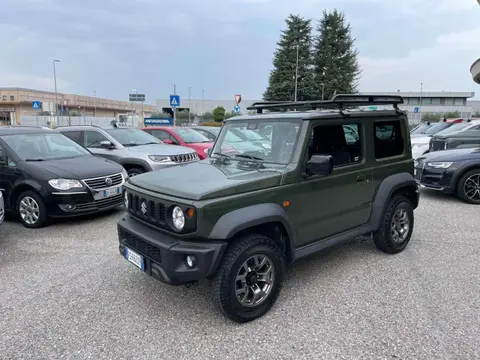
(249, 278)
(396, 227)
(135, 171)
(468, 187)
(31, 210)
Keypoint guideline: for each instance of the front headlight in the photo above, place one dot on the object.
(439, 164)
(159, 158)
(65, 184)
(124, 174)
(178, 218)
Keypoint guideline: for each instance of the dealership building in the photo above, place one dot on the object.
(415, 103)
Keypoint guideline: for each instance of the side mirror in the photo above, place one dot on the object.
(321, 165)
(168, 141)
(106, 145)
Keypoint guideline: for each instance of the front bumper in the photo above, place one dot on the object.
(164, 256)
(435, 179)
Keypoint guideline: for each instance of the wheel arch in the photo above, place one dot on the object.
(19, 189)
(462, 172)
(134, 163)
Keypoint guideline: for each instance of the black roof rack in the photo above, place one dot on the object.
(340, 101)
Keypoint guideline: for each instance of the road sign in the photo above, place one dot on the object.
(174, 101)
(236, 109)
(136, 97)
(157, 121)
(415, 110)
(36, 105)
(238, 99)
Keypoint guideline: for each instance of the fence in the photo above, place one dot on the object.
(71, 121)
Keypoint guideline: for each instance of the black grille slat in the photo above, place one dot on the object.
(142, 247)
(183, 158)
(101, 204)
(101, 183)
(155, 210)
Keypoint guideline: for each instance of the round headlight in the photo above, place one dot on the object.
(125, 199)
(178, 218)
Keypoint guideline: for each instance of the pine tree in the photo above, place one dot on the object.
(335, 60)
(281, 84)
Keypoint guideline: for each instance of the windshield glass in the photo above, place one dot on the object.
(454, 127)
(190, 136)
(437, 128)
(247, 134)
(49, 146)
(421, 129)
(281, 145)
(133, 137)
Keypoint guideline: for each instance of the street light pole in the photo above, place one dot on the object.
(94, 103)
(189, 104)
(296, 74)
(420, 107)
(56, 93)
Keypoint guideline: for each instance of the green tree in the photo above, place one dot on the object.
(219, 114)
(296, 38)
(335, 60)
(432, 117)
(451, 114)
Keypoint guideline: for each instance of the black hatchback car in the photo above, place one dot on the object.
(44, 174)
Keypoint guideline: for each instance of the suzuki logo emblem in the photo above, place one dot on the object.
(144, 208)
(108, 181)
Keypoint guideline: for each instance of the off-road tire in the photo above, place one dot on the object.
(42, 210)
(135, 171)
(223, 282)
(383, 238)
(461, 187)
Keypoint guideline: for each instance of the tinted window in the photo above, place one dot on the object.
(74, 135)
(206, 134)
(92, 139)
(159, 134)
(437, 128)
(342, 142)
(388, 139)
(132, 137)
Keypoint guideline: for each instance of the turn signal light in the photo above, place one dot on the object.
(189, 213)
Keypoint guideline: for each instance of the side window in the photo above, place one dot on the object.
(342, 142)
(74, 135)
(92, 139)
(474, 128)
(388, 139)
(4, 156)
(172, 138)
(159, 134)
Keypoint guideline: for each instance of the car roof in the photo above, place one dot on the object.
(22, 130)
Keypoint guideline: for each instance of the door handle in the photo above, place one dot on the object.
(361, 179)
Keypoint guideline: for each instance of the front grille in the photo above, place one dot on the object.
(104, 181)
(135, 243)
(436, 145)
(101, 204)
(150, 210)
(183, 158)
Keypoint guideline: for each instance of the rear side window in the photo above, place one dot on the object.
(388, 139)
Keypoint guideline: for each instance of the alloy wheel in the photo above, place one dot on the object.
(471, 187)
(29, 210)
(254, 280)
(400, 226)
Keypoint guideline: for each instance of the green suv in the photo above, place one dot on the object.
(239, 218)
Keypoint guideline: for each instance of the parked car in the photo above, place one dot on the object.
(253, 137)
(421, 144)
(247, 216)
(44, 174)
(134, 149)
(420, 129)
(467, 136)
(231, 140)
(2, 207)
(455, 172)
(210, 132)
(183, 136)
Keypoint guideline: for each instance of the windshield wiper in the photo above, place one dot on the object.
(34, 159)
(248, 157)
(221, 155)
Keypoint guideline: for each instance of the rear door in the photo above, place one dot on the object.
(9, 174)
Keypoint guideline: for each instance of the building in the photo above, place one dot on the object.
(416, 103)
(18, 103)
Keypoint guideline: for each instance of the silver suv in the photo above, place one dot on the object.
(2, 208)
(134, 149)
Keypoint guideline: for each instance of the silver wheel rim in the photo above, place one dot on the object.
(254, 280)
(400, 226)
(29, 210)
(471, 187)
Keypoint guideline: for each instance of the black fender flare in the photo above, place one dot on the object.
(235, 221)
(385, 191)
(133, 161)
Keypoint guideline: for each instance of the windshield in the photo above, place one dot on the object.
(421, 129)
(454, 127)
(247, 134)
(133, 137)
(190, 136)
(49, 146)
(281, 145)
(437, 128)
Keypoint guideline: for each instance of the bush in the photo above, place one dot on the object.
(211, 123)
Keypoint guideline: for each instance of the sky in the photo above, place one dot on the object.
(225, 47)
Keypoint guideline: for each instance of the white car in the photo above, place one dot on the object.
(2, 208)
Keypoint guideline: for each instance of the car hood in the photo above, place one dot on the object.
(420, 140)
(452, 155)
(160, 149)
(84, 167)
(207, 179)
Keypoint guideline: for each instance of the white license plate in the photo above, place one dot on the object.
(134, 258)
(111, 192)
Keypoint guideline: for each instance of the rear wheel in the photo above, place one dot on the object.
(249, 278)
(31, 210)
(396, 227)
(468, 187)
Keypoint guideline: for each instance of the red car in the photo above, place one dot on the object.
(184, 136)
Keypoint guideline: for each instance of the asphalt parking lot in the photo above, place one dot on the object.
(66, 293)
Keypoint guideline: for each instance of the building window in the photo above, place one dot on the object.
(426, 101)
(449, 101)
(12, 98)
(4, 97)
(459, 101)
(435, 101)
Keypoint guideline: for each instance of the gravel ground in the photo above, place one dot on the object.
(66, 293)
